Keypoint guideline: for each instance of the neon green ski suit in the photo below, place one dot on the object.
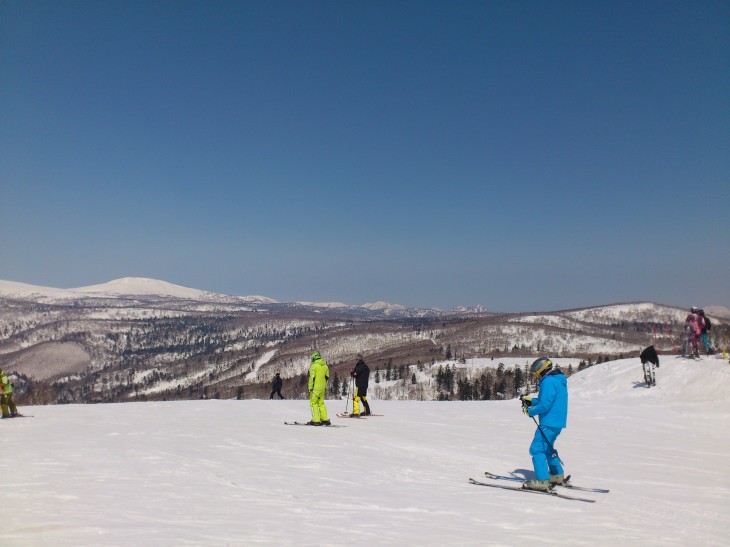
(6, 398)
(319, 374)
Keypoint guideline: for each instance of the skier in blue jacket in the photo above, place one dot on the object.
(551, 407)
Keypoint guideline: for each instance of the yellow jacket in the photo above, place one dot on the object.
(7, 387)
(319, 373)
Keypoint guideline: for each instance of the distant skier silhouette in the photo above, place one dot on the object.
(649, 360)
(276, 387)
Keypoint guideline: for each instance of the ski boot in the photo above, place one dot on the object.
(325, 422)
(557, 479)
(534, 484)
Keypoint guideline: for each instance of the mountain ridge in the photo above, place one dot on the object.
(149, 287)
(109, 343)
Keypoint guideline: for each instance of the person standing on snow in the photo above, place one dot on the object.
(361, 374)
(319, 374)
(705, 334)
(6, 398)
(693, 326)
(276, 387)
(551, 406)
(649, 360)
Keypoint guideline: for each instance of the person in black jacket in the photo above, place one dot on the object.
(705, 335)
(649, 360)
(361, 374)
(276, 387)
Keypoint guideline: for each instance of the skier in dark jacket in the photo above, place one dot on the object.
(361, 374)
(705, 334)
(552, 408)
(276, 387)
(649, 360)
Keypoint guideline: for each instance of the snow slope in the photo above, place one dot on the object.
(231, 473)
(24, 290)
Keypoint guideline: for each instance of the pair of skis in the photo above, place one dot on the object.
(313, 425)
(360, 416)
(332, 425)
(551, 492)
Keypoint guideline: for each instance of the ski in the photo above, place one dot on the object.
(304, 423)
(527, 491)
(564, 485)
(341, 415)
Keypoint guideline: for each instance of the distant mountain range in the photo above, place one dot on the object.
(137, 338)
(130, 287)
(123, 287)
(142, 287)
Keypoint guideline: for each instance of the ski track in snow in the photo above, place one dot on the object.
(231, 473)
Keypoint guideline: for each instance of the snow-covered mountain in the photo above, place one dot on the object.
(136, 337)
(25, 291)
(383, 306)
(718, 311)
(141, 286)
(126, 287)
(227, 472)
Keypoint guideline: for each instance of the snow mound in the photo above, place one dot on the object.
(679, 380)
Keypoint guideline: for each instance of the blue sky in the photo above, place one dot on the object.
(518, 155)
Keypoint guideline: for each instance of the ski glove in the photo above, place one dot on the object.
(526, 402)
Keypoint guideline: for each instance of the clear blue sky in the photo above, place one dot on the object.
(525, 155)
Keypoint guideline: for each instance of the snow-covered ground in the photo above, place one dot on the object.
(231, 473)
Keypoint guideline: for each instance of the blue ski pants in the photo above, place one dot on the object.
(543, 459)
(706, 341)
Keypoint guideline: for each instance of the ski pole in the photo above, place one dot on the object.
(347, 397)
(352, 392)
(552, 448)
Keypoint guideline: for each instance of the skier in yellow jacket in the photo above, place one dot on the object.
(319, 374)
(6, 399)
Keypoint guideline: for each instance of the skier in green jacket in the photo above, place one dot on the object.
(319, 374)
(6, 397)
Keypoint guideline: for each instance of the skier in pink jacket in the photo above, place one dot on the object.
(693, 325)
